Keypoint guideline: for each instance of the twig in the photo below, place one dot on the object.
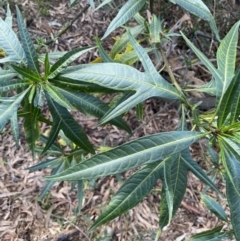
(68, 25)
(71, 223)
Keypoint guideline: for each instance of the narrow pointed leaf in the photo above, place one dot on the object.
(56, 127)
(226, 57)
(75, 85)
(229, 103)
(49, 163)
(103, 54)
(89, 104)
(123, 78)
(124, 14)
(212, 235)
(155, 77)
(154, 29)
(15, 128)
(7, 85)
(131, 155)
(10, 44)
(49, 184)
(214, 207)
(31, 54)
(6, 75)
(192, 166)
(231, 163)
(121, 43)
(31, 127)
(46, 66)
(66, 59)
(27, 73)
(234, 205)
(70, 127)
(131, 193)
(198, 8)
(207, 63)
(9, 106)
(57, 96)
(8, 18)
(179, 185)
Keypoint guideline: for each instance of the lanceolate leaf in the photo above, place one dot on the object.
(214, 207)
(198, 8)
(226, 58)
(103, 54)
(31, 126)
(66, 59)
(155, 28)
(192, 166)
(234, 205)
(125, 13)
(9, 106)
(89, 104)
(231, 163)
(14, 128)
(167, 186)
(49, 163)
(57, 96)
(212, 235)
(123, 78)
(31, 54)
(229, 104)
(8, 18)
(7, 85)
(131, 193)
(121, 43)
(49, 184)
(10, 44)
(179, 184)
(70, 84)
(207, 63)
(27, 73)
(6, 75)
(63, 120)
(130, 155)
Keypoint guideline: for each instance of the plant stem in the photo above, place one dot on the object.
(68, 25)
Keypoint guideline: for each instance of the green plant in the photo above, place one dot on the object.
(164, 156)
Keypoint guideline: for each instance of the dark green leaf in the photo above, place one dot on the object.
(131, 155)
(6, 75)
(130, 193)
(9, 106)
(124, 14)
(31, 54)
(66, 59)
(31, 127)
(49, 163)
(192, 166)
(62, 119)
(234, 205)
(214, 207)
(179, 184)
(14, 128)
(103, 54)
(57, 96)
(89, 104)
(27, 73)
(212, 235)
(229, 104)
(7, 85)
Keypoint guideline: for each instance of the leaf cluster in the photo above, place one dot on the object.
(43, 81)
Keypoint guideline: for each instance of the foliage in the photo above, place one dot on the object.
(28, 82)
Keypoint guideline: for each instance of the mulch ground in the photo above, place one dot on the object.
(24, 217)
